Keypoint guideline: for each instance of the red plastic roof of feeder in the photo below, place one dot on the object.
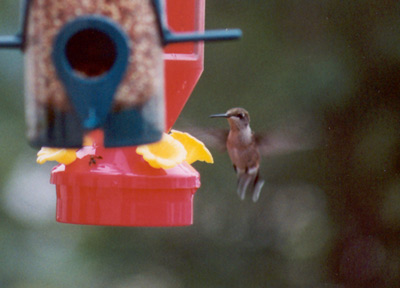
(183, 61)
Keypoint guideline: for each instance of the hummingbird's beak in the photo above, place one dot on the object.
(220, 116)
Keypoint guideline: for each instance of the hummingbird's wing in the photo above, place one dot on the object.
(287, 139)
(211, 137)
(270, 144)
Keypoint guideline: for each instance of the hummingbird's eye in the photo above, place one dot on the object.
(241, 116)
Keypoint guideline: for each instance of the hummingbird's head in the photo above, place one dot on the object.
(238, 118)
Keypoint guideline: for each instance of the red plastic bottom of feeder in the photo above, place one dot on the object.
(115, 186)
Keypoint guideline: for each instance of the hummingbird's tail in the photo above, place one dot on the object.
(244, 181)
(258, 184)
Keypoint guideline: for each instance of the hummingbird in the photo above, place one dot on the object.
(244, 152)
(246, 148)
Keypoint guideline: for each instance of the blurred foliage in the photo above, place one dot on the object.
(328, 217)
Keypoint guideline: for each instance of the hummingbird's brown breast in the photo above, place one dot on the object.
(243, 150)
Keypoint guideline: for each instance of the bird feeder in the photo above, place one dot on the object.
(106, 68)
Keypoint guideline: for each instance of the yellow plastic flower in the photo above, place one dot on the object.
(196, 150)
(64, 156)
(61, 155)
(173, 149)
(166, 153)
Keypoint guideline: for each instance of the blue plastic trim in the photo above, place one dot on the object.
(11, 41)
(18, 40)
(209, 35)
(91, 96)
(137, 125)
(130, 128)
(57, 128)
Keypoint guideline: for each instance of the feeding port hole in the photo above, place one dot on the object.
(91, 52)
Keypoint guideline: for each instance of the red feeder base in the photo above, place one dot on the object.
(121, 189)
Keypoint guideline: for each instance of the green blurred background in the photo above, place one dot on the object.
(329, 217)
